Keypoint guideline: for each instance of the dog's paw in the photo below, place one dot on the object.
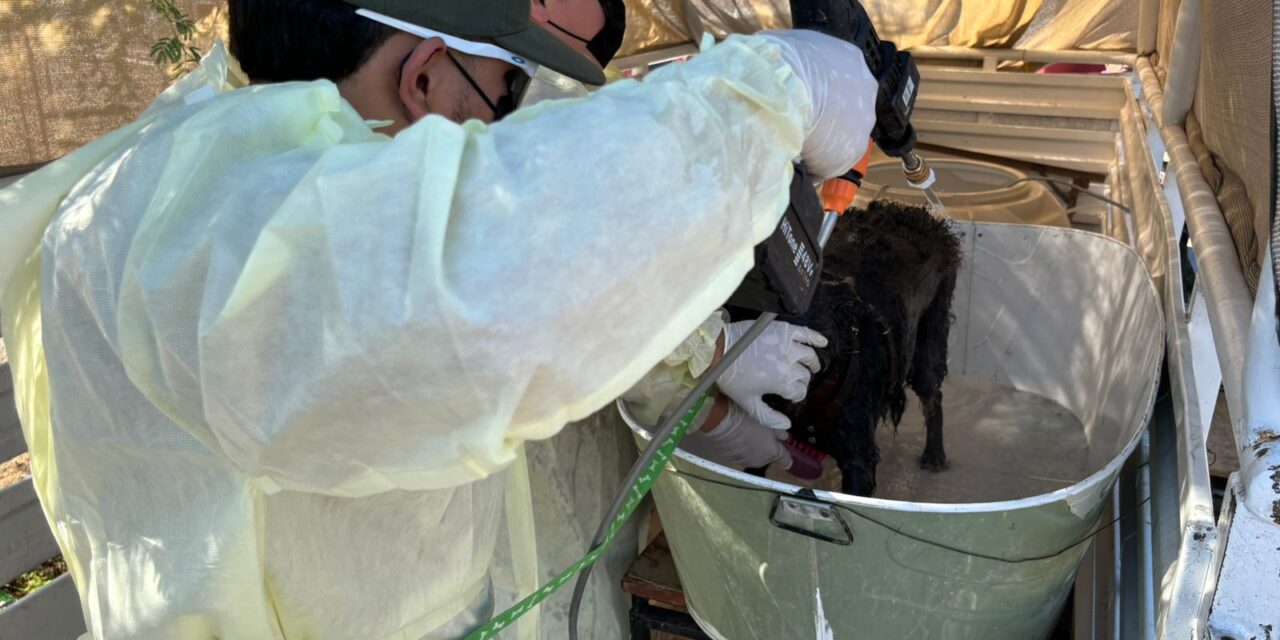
(935, 462)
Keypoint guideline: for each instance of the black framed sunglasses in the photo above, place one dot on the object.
(517, 84)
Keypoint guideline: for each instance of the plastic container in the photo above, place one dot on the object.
(1066, 315)
(971, 190)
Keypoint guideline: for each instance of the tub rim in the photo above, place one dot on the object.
(1064, 494)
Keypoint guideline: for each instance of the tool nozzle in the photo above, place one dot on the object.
(919, 174)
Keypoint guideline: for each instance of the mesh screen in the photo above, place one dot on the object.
(1233, 198)
(72, 70)
(1275, 162)
(1146, 205)
(1083, 24)
(1165, 32)
(654, 25)
(1233, 111)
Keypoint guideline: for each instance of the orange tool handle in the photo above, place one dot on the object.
(838, 193)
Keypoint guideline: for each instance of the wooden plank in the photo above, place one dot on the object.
(25, 538)
(1049, 81)
(11, 442)
(1068, 94)
(1020, 55)
(974, 104)
(1091, 151)
(653, 576)
(52, 613)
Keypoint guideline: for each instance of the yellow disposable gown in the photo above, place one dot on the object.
(272, 365)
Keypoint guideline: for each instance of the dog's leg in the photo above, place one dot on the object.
(861, 409)
(856, 450)
(934, 457)
(929, 368)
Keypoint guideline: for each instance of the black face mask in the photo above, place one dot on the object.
(606, 43)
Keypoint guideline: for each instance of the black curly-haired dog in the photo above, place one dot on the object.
(889, 274)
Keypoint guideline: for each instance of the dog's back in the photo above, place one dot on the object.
(894, 255)
(888, 261)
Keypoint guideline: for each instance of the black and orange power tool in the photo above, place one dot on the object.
(788, 264)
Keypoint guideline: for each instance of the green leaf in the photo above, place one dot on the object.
(176, 51)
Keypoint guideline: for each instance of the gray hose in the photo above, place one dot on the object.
(655, 443)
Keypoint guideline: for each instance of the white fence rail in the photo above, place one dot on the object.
(52, 612)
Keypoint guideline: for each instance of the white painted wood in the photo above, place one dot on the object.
(1072, 95)
(11, 442)
(52, 613)
(1067, 148)
(25, 538)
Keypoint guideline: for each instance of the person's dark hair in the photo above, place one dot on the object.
(287, 40)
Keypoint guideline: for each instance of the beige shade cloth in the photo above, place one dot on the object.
(1148, 208)
(1230, 125)
(1083, 24)
(1166, 23)
(1233, 198)
(1028, 24)
(72, 70)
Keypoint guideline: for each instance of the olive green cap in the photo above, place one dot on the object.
(507, 23)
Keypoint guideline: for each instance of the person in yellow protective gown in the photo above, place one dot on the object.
(277, 344)
(573, 475)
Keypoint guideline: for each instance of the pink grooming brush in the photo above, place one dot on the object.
(806, 461)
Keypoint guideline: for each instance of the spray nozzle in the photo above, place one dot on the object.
(919, 174)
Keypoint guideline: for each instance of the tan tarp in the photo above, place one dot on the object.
(1027, 24)
(1168, 18)
(72, 70)
(1083, 24)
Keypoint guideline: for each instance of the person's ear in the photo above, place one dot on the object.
(415, 76)
(538, 12)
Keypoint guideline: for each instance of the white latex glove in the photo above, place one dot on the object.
(843, 94)
(780, 362)
(739, 441)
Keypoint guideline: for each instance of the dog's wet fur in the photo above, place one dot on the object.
(884, 303)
